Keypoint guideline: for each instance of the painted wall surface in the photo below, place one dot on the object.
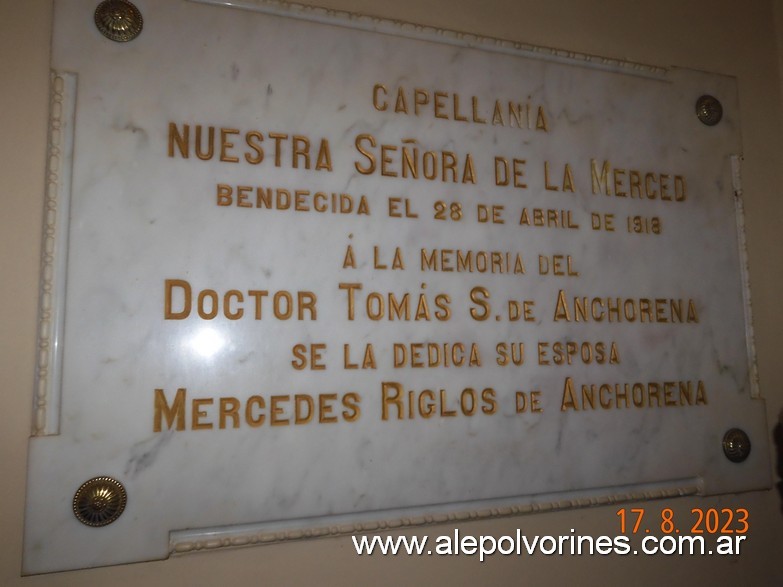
(723, 37)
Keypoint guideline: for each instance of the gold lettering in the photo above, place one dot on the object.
(440, 104)
(197, 414)
(225, 145)
(176, 410)
(325, 408)
(457, 115)
(569, 400)
(181, 140)
(541, 121)
(253, 140)
(351, 402)
(304, 406)
(349, 260)
(600, 180)
(376, 102)
(391, 393)
(420, 98)
(276, 411)
(229, 408)
(254, 421)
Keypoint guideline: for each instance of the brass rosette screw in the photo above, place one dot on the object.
(99, 501)
(118, 20)
(736, 445)
(709, 110)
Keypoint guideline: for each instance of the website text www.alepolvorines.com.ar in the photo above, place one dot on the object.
(571, 544)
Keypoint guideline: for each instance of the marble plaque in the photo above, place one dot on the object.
(309, 273)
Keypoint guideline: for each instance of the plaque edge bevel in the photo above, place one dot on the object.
(184, 542)
(744, 266)
(54, 243)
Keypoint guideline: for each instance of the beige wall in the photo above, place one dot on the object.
(722, 36)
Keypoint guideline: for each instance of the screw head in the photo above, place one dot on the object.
(709, 110)
(118, 20)
(736, 445)
(99, 501)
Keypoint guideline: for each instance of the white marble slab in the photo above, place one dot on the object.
(129, 213)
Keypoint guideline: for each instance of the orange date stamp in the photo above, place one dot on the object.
(700, 521)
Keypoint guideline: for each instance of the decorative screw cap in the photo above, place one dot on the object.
(99, 501)
(709, 110)
(118, 20)
(736, 445)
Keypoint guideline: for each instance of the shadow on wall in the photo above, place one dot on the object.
(778, 436)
